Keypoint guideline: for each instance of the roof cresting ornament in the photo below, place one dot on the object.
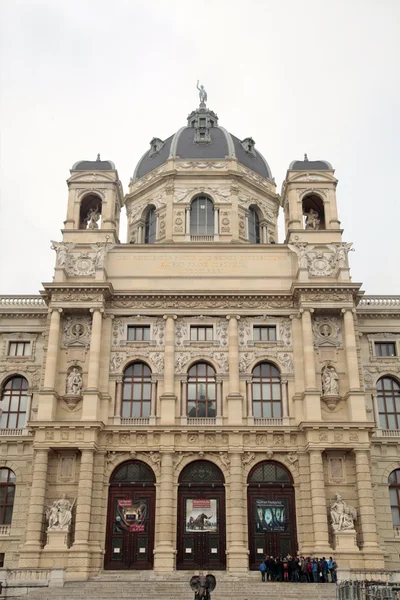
(202, 94)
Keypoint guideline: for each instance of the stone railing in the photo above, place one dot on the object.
(13, 432)
(379, 302)
(25, 301)
(390, 432)
(138, 421)
(5, 530)
(23, 579)
(268, 422)
(201, 238)
(201, 421)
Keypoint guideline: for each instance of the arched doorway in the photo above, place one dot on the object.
(201, 517)
(271, 511)
(130, 520)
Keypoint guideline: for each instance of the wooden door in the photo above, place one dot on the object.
(272, 523)
(201, 529)
(130, 528)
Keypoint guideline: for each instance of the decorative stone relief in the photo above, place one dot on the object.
(179, 221)
(248, 458)
(82, 264)
(285, 332)
(116, 361)
(252, 176)
(76, 331)
(134, 210)
(287, 362)
(120, 323)
(181, 331)
(59, 514)
(209, 301)
(267, 208)
(62, 249)
(336, 469)
(326, 331)
(244, 331)
(225, 221)
(202, 165)
(224, 458)
(322, 261)
(147, 179)
(222, 331)
(220, 195)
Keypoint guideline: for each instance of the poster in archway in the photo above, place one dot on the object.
(201, 514)
(271, 515)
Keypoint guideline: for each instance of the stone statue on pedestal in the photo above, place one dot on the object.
(202, 93)
(330, 381)
(59, 514)
(342, 515)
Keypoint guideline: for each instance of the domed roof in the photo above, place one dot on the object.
(202, 139)
(94, 165)
(310, 165)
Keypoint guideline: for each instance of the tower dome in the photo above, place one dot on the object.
(202, 139)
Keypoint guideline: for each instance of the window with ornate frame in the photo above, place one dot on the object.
(264, 333)
(385, 349)
(7, 495)
(14, 402)
(266, 392)
(201, 391)
(394, 493)
(138, 333)
(202, 216)
(19, 348)
(388, 402)
(201, 333)
(136, 391)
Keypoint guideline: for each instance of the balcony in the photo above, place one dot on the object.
(268, 422)
(134, 422)
(201, 238)
(5, 530)
(4, 432)
(390, 433)
(201, 421)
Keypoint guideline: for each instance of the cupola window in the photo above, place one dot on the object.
(150, 228)
(254, 227)
(202, 216)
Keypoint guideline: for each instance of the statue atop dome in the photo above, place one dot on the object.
(202, 94)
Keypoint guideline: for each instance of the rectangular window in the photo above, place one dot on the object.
(385, 348)
(201, 334)
(264, 333)
(19, 349)
(138, 333)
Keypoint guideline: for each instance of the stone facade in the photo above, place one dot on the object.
(327, 435)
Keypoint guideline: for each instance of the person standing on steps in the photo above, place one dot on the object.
(263, 569)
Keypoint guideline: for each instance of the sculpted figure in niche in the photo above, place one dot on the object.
(342, 514)
(325, 330)
(330, 381)
(312, 219)
(92, 218)
(74, 382)
(59, 514)
(61, 251)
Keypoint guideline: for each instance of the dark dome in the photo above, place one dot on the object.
(310, 165)
(94, 165)
(218, 144)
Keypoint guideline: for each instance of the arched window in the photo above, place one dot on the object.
(150, 227)
(266, 392)
(7, 494)
(388, 403)
(201, 391)
(202, 216)
(136, 395)
(254, 227)
(14, 400)
(394, 493)
(313, 211)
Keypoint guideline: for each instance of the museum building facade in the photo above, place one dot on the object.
(204, 394)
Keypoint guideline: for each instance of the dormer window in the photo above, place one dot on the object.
(155, 146)
(203, 122)
(248, 145)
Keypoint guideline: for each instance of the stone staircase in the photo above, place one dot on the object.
(149, 586)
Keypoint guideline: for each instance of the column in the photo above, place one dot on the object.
(237, 551)
(216, 221)
(118, 399)
(84, 502)
(249, 389)
(52, 350)
(376, 410)
(308, 349)
(184, 398)
(140, 234)
(36, 501)
(187, 220)
(157, 227)
(28, 408)
(351, 349)
(95, 348)
(285, 408)
(153, 400)
(164, 552)
(318, 503)
(219, 399)
(168, 397)
(264, 234)
(235, 400)
(366, 505)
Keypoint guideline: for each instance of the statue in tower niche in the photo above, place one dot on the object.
(330, 380)
(74, 382)
(59, 514)
(342, 515)
(312, 219)
(92, 218)
(202, 93)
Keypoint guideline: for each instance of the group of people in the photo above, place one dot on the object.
(299, 569)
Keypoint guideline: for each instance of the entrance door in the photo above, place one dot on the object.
(130, 523)
(271, 510)
(201, 518)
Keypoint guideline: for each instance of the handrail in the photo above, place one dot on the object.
(32, 300)
(379, 301)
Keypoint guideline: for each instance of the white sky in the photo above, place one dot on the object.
(89, 76)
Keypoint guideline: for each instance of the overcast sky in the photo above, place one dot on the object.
(89, 76)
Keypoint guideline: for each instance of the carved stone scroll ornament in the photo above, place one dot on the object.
(59, 514)
(342, 515)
